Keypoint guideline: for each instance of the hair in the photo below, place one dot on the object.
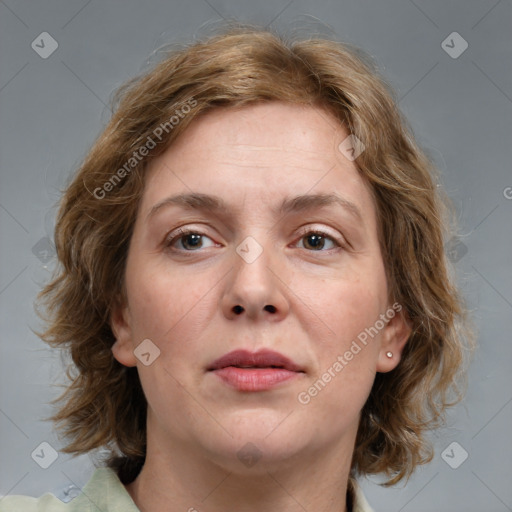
(104, 406)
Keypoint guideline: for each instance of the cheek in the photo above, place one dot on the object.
(337, 311)
(346, 357)
(167, 306)
(339, 323)
(171, 310)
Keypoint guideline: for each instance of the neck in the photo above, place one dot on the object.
(182, 478)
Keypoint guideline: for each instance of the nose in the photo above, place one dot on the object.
(255, 289)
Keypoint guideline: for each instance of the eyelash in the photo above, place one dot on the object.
(182, 233)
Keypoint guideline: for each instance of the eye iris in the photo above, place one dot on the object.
(192, 240)
(315, 241)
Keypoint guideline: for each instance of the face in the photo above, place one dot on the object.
(271, 245)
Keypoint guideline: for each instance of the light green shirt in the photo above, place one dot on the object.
(103, 492)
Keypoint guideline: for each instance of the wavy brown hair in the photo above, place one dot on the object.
(104, 405)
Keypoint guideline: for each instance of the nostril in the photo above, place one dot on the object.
(270, 308)
(238, 309)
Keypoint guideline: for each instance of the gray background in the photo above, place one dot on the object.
(460, 109)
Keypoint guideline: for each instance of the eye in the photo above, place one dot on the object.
(191, 240)
(317, 240)
(188, 240)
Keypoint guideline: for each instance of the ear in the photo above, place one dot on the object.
(120, 323)
(394, 337)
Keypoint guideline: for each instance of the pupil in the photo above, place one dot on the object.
(196, 240)
(315, 241)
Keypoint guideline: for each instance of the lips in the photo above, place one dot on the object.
(255, 372)
(261, 359)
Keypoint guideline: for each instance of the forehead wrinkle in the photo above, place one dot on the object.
(271, 166)
(264, 154)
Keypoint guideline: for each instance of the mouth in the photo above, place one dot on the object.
(263, 359)
(259, 371)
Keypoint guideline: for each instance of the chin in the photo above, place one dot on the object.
(256, 456)
(257, 445)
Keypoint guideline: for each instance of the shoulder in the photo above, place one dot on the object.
(46, 503)
(104, 491)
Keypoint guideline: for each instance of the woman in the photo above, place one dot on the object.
(253, 286)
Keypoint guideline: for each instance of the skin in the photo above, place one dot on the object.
(186, 304)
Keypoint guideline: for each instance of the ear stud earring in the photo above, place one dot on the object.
(389, 354)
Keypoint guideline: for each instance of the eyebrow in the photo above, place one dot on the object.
(215, 204)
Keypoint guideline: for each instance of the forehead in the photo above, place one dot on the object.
(299, 135)
(258, 154)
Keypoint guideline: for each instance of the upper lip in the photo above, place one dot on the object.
(261, 359)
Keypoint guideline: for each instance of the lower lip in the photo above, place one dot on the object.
(254, 379)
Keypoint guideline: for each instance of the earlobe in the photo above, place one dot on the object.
(395, 336)
(124, 353)
(122, 349)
